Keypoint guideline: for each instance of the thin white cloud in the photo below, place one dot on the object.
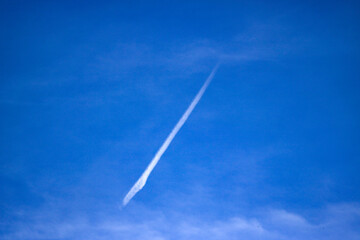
(288, 219)
(334, 222)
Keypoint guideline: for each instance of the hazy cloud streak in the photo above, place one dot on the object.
(142, 180)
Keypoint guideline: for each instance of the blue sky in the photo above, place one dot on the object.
(89, 91)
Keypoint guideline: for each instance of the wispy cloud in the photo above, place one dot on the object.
(333, 222)
(124, 58)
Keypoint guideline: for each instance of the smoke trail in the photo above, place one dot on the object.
(142, 180)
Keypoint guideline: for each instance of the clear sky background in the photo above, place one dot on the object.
(90, 90)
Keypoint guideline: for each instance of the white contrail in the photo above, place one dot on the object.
(142, 180)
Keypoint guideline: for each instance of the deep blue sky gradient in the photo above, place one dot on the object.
(90, 90)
